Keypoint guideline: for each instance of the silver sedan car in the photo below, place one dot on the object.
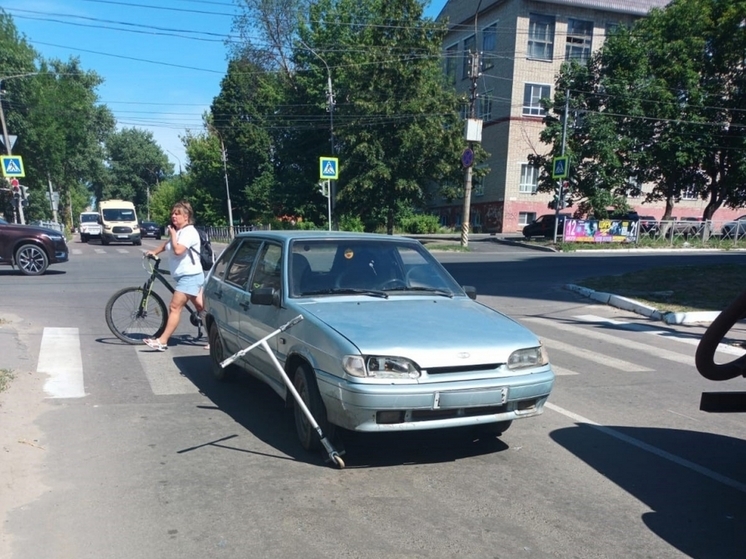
(389, 341)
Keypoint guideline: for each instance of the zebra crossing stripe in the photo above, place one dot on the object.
(60, 358)
(164, 376)
(588, 355)
(667, 334)
(616, 341)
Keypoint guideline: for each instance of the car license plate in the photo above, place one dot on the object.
(471, 398)
(121, 236)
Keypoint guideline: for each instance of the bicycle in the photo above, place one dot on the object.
(136, 313)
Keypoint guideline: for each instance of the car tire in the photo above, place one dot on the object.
(304, 382)
(83, 238)
(31, 260)
(137, 243)
(157, 237)
(217, 355)
(104, 241)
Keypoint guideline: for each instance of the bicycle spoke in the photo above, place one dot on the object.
(127, 319)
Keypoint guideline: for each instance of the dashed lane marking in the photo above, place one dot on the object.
(164, 376)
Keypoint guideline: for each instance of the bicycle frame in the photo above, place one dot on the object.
(148, 288)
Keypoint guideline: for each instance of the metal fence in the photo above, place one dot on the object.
(51, 225)
(223, 234)
(701, 234)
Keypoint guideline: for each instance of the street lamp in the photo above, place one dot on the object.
(224, 156)
(177, 158)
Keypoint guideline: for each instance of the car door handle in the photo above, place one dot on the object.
(244, 305)
(218, 294)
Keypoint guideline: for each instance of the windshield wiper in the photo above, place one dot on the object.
(432, 290)
(348, 291)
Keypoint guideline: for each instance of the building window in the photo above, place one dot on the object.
(541, 37)
(470, 46)
(529, 179)
(485, 106)
(489, 46)
(524, 218)
(689, 194)
(477, 186)
(579, 39)
(451, 63)
(532, 95)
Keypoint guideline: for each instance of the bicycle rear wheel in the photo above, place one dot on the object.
(128, 323)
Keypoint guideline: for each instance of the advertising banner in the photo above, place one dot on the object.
(600, 231)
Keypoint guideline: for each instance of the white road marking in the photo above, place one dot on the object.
(604, 360)
(614, 340)
(667, 334)
(562, 372)
(77, 251)
(652, 449)
(99, 250)
(59, 357)
(164, 376)
(123, 250)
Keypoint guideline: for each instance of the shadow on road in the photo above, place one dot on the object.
(693, 482)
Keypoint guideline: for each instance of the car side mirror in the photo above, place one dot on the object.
(265, 296)
(470, 291)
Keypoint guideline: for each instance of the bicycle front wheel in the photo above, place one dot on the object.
(130, 320)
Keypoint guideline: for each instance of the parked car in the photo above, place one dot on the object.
(543, 226)
(31, 249)
(150, 229)
(687, 227)
(734, 229)
(389, 341)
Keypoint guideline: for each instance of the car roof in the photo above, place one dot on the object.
(288, 236)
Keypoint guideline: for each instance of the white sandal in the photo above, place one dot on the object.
(155, 344)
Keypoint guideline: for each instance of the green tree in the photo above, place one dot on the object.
(661, 103)
(398, 129)
(136, 167)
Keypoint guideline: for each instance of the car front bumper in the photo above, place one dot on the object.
(396, 407)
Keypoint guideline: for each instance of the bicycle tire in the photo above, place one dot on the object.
(122, 319)
(704, 358)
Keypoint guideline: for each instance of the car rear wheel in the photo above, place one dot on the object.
(31, 260)
(305, 383)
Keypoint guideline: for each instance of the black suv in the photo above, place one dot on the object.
(543, 226)
(32, 249)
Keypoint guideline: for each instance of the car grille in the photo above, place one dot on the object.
(120, 229)
(463, 369)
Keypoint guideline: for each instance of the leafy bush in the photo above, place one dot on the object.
(420, 224)
(351, 223)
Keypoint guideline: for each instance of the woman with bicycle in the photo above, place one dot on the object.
(183, 249)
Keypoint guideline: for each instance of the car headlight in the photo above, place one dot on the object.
(380, 366)
(530, 357)
(52, 237)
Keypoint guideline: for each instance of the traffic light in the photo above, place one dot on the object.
(16, 191)
(24, 192)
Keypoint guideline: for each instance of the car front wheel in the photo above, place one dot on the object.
(31, 260)
(305, 384)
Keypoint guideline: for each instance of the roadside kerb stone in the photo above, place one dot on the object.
(625, 303)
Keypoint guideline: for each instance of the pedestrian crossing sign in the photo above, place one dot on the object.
(561, 167)
(12, 166)
(329, 168)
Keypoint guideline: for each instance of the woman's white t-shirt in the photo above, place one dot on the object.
(186, 263)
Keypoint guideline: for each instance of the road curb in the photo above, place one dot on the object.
(703, 317)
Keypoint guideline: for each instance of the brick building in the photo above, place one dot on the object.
(523, 44)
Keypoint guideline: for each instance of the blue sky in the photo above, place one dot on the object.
(161, 60)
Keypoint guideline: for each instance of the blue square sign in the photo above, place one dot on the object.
(329, 168)
(12, 166)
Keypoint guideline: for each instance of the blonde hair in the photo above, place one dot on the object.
(184, 207)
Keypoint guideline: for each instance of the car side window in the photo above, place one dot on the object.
(240, 266)
(268, 269)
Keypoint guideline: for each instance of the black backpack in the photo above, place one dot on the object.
(206, 256)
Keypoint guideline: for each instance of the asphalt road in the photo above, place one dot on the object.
(159, 460)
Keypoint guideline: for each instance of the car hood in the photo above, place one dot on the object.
(30, 229)
(432, 331)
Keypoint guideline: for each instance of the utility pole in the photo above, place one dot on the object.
(560, 189)
(227, 188)
(330, 110)
(6, 140)
(473, 134)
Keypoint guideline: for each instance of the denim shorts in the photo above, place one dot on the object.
(189, 284)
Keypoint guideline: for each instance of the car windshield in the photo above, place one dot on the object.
(374, 268)
(119, 215)
(89, 218)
